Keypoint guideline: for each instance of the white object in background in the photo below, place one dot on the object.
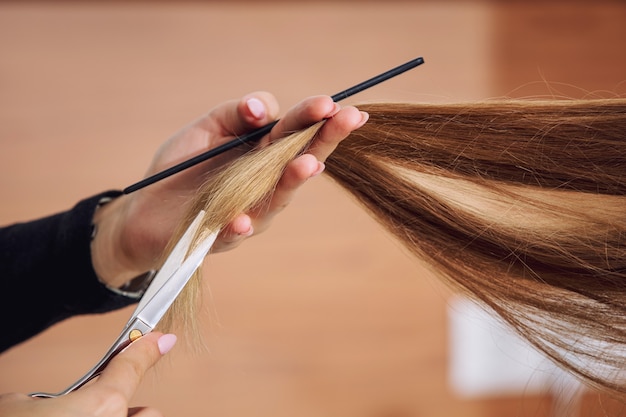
(487, 359)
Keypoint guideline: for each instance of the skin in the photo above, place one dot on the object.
(134, 229)
(108, 396)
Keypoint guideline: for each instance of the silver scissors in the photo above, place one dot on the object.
(163, 290)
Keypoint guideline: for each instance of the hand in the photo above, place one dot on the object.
(108, 396)
(134, 229)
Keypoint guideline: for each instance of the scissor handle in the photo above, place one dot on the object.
(133, 331)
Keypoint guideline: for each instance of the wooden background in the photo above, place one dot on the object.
(324, 315)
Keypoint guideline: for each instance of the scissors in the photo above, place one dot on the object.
(163, 290)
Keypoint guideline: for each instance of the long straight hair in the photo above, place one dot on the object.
(519, 204)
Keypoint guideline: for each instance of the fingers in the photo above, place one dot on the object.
(335, 130)
(340, 122)
(110, 394)
(126, 370)
(259, 108)
(309, 165)
(253, 110)
(235, 233)
(304, 114)
(297, 173)
(243, 226)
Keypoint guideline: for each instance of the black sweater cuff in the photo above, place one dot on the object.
(46, 273)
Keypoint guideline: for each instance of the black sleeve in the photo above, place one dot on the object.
(46, 273)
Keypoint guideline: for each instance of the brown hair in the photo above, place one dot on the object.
(520, 204)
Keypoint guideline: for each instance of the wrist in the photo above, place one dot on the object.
(112, 265)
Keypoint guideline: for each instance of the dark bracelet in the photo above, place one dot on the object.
(136, 287)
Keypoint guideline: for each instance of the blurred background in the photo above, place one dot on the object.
(323, 315)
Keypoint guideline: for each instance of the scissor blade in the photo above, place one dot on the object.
(173, 262)
(156, 307)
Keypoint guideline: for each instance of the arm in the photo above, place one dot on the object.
(50, 269)
(46, 273)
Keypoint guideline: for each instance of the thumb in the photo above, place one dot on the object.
(127, 369)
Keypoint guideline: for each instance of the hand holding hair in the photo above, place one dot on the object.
(108, 396)
(134, 229)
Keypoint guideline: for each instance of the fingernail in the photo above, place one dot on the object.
(364, 118)
(319, 170)
(256, 108)
(166, 343)
(247, 233)
(334, 111)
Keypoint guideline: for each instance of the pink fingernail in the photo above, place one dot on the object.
(166, 343)
(319, 170)
(256, 108)
(247, 233)
(364, 118)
